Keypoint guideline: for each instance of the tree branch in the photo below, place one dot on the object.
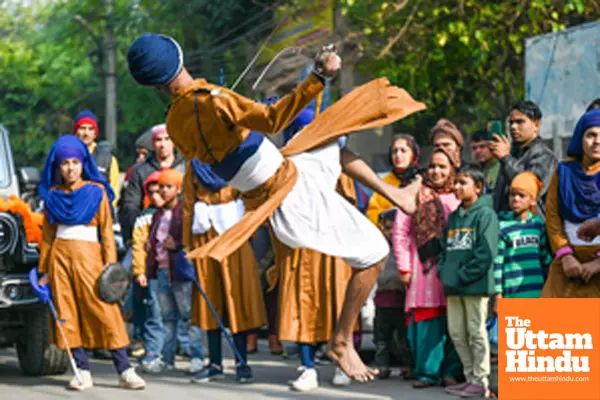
(401, 33)
(81, 21)
(400, 6)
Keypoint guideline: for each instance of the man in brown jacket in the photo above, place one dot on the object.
(295, 193)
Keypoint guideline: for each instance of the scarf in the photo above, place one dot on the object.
(74, 208)
(207, 177)
(407, 175)
(429, 217)
(588, 120)
(81, 205)
(579, 198)
(579, 192)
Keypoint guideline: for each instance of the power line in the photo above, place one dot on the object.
(266, 9)
(254, 31)
(230, 32)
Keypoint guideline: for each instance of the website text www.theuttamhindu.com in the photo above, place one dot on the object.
(549, 379)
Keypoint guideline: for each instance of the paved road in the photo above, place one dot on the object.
(271, 372)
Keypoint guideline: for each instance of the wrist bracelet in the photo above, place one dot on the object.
(563, 251)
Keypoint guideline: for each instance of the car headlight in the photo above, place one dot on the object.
(9, 233)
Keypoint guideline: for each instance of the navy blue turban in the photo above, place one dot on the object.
(154, 59)
(579, 198)
(588, 120)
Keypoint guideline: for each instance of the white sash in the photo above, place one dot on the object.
(218, 216)
(258, 168)
(77, 232)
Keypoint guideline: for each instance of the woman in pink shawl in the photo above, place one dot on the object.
(416, 244)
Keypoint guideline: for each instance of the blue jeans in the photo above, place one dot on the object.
(175, 304)
(183, 339)
(153, 331)
(134, 301)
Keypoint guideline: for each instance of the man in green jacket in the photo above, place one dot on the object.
(465, 269)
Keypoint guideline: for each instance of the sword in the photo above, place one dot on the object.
(258, 53)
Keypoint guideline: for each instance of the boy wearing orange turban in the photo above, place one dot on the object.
(148, 305)
(523, 256)
(175, 297)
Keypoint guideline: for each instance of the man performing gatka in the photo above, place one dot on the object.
(78, 241)
(295, 188)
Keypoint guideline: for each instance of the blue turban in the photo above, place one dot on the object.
(305, 117)
(155, 59)
(588, 120)
(79, 206)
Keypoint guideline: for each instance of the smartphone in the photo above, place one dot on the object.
(495, 128)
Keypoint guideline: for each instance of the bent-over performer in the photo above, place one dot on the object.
(294, 189)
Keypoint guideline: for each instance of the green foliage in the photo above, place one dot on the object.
(464, 58)
(51, 66)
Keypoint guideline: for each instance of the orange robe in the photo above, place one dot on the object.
(208, 122)
(74, 267)
(557, 284)
(233, 286)
(312, 287)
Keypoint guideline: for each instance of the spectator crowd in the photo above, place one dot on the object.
(505, 226)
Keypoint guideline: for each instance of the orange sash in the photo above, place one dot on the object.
(369, 106)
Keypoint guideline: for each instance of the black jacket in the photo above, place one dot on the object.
(131, 202)
(535, 157)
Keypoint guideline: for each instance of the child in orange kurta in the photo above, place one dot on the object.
(78, 241)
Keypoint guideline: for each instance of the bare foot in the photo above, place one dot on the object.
(346, 357)
(406, 197)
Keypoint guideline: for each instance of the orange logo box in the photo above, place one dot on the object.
(549, 349)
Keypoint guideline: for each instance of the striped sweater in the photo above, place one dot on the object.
(523, 256)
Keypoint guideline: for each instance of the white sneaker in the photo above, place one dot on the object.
(87, 383)
(130, 380)
(196, 365)
(155, 366)
(300, 369)
(308, 380)
(340, 378)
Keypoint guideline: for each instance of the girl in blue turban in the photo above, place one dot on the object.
(76, 207)
(78, 242)
(573, 198)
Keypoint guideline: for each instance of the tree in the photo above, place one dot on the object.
(463, 58)
(49, 62)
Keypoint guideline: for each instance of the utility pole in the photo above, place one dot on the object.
(110, 78)
(104, 58)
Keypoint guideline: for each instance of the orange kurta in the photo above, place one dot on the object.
(204, 115)
(74, 267)
(557, 284)
(312, 287)
(232, 286)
